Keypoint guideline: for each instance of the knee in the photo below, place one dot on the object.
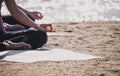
(42, 36)
(38, 39)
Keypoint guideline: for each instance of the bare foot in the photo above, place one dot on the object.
(17, 46)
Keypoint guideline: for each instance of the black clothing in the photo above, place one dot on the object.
(35, 38)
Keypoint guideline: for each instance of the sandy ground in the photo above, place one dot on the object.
(96, 38)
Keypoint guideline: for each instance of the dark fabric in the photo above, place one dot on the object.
(1, 1)
(2, 47)
(1, 25)
(35, 38)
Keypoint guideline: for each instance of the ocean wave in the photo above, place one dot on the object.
(74, 10)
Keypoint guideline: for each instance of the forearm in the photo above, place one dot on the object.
(28, 13)
(24, 10)
(19, 14)
(23, 18)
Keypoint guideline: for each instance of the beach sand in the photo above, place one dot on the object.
(96, 38)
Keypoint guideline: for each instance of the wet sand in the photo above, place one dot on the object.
(96, 38)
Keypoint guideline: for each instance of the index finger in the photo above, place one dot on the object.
(39, 15)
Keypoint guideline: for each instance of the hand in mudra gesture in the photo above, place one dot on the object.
(46, 27)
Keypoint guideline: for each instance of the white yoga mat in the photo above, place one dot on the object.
(43, 55)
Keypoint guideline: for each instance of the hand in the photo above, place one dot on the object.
(46, 27)
(17, 46)
(36, 15)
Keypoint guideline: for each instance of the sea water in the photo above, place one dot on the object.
(73, 10)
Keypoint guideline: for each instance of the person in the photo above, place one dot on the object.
(27, 39)
(11, 24)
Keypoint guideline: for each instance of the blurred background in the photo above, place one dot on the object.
(72, 10)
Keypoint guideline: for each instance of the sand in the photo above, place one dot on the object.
(96, 38)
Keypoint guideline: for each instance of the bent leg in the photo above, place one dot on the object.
(35, 38)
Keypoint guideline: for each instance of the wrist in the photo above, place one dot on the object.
(36, 26)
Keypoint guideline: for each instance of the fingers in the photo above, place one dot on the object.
(39, 16)
(50, 28)
(46, 27)
(36, 15)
